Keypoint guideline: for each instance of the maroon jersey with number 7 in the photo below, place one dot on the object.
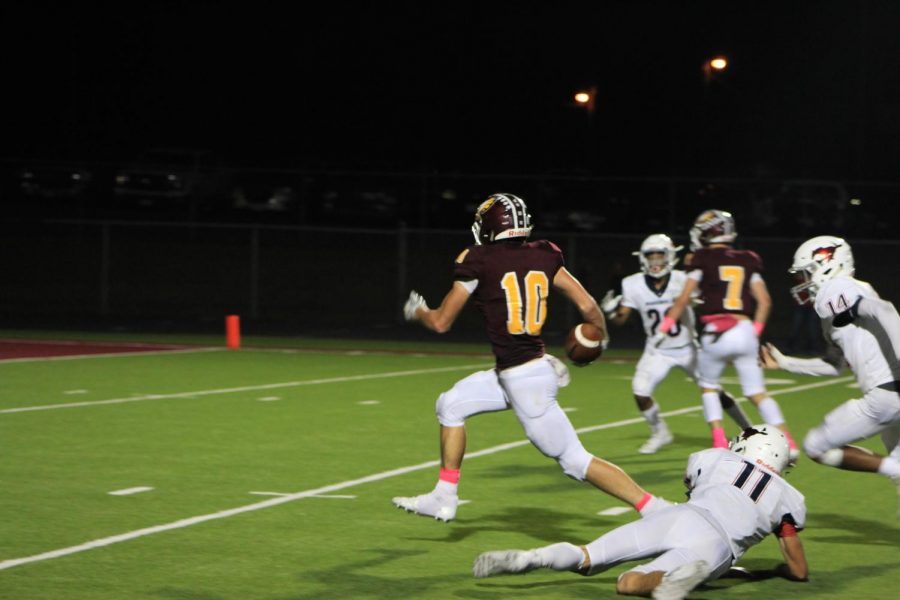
(514, 281)
(725, 283)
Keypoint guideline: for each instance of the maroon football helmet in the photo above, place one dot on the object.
(713, 227)
(501, 217)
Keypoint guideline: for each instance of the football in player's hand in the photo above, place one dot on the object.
(583, 344)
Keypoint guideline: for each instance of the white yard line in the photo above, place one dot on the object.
(224, 514)
(615, 510)
(130, 491)
(246, 388)
(329, 496)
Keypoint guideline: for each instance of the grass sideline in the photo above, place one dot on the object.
(204, 450)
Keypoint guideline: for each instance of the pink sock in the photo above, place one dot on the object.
(719, 439)
(791, 443)
(449, 475)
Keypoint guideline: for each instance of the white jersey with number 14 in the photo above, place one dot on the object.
(861, 342)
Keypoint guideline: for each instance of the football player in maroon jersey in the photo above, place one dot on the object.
(509, 279)
(736, 304)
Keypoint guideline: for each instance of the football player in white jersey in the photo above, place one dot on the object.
(863, 332)
(651, 293)
(736, 497)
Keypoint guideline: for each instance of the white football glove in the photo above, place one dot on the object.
(414, 301)
(657, 339)
(610, 302)
(775, 356)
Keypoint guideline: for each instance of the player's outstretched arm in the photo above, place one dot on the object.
(620, 317)
(572, 289)
(612, 307)
(441, 319)
(795, 567)
(772, 358)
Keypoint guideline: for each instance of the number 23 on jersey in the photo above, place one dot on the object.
(526, 313)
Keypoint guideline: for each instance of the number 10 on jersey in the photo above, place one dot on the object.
(526, 314)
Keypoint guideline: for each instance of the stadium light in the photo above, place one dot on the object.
(586, 98)
(719, 63)
(713, 67)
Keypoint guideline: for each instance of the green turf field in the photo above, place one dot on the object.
(329, 437)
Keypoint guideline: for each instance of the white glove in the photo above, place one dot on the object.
(657, 339)
(610, 302)
(414, 301)
(775, 356)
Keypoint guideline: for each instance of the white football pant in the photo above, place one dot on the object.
(530, 390)
(675, 536)
(655, 364)
(877, 412)
(740, 346)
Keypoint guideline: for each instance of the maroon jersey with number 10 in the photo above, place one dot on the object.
(725, 282)
(514, 281)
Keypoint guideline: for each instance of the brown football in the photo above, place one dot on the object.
(583, 344)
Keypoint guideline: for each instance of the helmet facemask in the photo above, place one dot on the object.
(816, 261)
(804, 289)
(658, 255)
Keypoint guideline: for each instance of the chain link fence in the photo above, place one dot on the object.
(313, 280)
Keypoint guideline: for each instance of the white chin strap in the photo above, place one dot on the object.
(511, 233)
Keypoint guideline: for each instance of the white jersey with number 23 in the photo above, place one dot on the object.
(652, 304)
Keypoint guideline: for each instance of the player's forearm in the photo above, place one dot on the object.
(441, 319)
(619, 318)
(591, 313)
(678, 307)
(434, 320)
(795, 567)
(804, 366)
(572, 289)
(763, 308)
(763, 300)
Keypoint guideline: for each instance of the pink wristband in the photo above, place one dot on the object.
(758, 328)
(647, 497)
(666, 324)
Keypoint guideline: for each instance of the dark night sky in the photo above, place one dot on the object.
(813, 88)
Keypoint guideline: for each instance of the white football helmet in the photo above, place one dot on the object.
(658, 243)
(713, 227)
(764, 445)
(816, 261)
